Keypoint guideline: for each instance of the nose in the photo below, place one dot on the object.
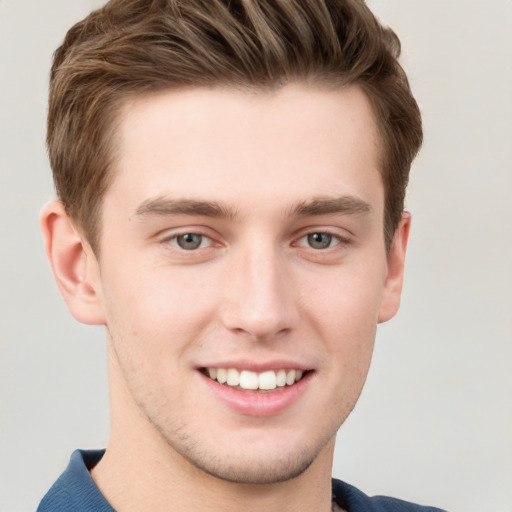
(260, 298)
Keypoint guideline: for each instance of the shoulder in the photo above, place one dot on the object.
(352, 499)
(75, 491)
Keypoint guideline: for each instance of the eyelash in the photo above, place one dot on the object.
(173, 240)
(331, 237)
(334, 240)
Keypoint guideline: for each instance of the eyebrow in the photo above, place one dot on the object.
(162, 206)
(345, 205)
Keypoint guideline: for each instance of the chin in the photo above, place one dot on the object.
(256, 461)
(257, 470)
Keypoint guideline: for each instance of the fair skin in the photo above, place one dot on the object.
(242, 231)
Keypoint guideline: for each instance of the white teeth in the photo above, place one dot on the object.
(222, 375)
(233, 377)
(281, 378)
(246, 379)
(267, 380)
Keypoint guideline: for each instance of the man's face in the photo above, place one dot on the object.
(242, 238)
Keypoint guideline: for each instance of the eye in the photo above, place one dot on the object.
(191, 241)
(319, 240)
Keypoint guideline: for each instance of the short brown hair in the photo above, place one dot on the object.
(135, 47)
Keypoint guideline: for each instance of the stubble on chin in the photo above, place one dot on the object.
(242, 468)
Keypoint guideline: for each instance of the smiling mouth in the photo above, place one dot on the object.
(252, 381)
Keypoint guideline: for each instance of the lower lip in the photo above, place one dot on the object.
(254, 403)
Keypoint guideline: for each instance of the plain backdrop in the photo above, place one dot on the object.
(434, 423)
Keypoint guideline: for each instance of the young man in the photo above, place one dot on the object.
(231, 177)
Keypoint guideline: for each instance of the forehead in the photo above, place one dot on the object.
(253, 148)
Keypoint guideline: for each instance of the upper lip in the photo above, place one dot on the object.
(258, 366)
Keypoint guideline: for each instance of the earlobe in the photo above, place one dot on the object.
(73, 264)
(395, 274)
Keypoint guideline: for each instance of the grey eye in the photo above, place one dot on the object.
(319, 240)
(189, 241)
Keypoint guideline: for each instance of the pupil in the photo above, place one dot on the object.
(189, 241)
(319, 240)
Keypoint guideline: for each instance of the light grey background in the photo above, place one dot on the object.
(434, 424)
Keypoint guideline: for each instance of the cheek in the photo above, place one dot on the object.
(156, 305)
(346, 300)
(343, 312)
(350, 337)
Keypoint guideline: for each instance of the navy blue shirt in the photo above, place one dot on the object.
(75, 491)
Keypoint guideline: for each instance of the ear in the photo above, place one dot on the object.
(395, 276)
(74, 265)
